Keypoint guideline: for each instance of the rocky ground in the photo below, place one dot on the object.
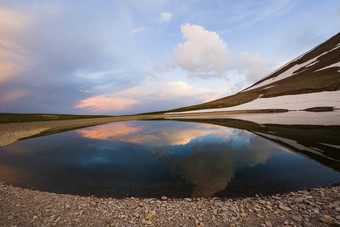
(24, 207)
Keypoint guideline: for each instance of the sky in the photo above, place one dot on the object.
(135, 56)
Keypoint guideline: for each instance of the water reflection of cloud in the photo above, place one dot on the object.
(210, 167)
(106, 132)
(144, 133)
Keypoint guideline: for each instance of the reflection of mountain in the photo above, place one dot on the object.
(317, 142)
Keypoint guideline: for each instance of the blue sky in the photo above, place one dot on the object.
(133, 56)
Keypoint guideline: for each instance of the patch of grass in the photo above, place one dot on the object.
(320, 109)
(15, 117)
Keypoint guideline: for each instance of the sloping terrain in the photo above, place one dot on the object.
(315, 72)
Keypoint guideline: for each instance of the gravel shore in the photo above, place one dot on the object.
(25, 207)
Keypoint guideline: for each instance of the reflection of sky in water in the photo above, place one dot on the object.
(140, 153)
(205, 155)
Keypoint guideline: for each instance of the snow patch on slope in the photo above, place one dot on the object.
(289, 102)
(337, 64)
(270, 86)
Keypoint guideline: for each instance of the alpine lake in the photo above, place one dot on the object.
(185, 158)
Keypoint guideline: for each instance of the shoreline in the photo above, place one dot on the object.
(15, 131)
(27, 207)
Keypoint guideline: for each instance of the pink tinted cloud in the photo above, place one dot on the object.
(12, 59)
(12, 54)
(12, 95)
(122, 131)
(105, 132)
(102, 103)
(8, 70)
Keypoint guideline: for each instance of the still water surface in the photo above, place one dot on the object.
(155, 158)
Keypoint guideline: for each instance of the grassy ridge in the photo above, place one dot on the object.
(15, 117)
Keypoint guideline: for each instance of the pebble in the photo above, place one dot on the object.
(298, 200)
(296, 218)
(150, 215)
(49, 209)
(307, 224)
(260, 215)
(262, 202)
(282, 207)
(146, 222)
(327, 219)
(57, 220)
(268, 224)
(243, 215)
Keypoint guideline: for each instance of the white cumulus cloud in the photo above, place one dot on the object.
(202, 52)
(165, 17)
(205, 54)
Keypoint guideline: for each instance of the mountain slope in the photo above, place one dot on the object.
(316, 72)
